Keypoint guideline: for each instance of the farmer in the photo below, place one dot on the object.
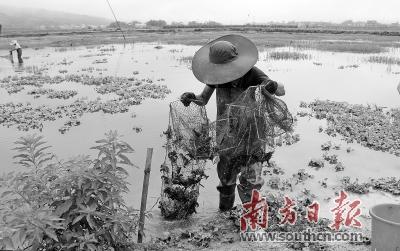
(16, 47)
(227, 66)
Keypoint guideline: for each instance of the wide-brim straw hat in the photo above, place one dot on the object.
(224, 59)
(13, 42)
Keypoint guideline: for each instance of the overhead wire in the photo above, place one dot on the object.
(116, 21)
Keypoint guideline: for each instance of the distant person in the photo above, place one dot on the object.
(16, 47)
(398, 88)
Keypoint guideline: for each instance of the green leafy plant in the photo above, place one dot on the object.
(67, 205)
(32, 153)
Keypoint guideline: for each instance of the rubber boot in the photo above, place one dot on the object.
(226, 201)
(226, 196)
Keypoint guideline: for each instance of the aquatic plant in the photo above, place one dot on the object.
(69, 205)
(52, 94)
(390, 185)
(131, 91)
(370, 126)
(332, 159)
(355, 186)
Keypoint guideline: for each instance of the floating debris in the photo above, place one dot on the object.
(137, 129)
(158, 47)
(339, 167)
(316, 163)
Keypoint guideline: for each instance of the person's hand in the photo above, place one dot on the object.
(280, 90)
(187, 98)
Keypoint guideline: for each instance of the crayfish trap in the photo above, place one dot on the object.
(188, 147)
(242, 135)
(245, 132)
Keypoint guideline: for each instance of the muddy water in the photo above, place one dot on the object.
(305, 80)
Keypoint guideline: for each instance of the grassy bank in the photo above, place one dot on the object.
(322, 41)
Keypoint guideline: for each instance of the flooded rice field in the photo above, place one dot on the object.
(73, 96)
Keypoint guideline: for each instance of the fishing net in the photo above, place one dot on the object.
(188, 147)
(246, 131)
(244, 134)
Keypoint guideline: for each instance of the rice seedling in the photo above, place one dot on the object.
(287, 55)
(175, 50)
(100, 61)
(384, 60)
(341, 46)
(107, 49)
(186, 60)
(354, 66)
(65, 62)
(62, 49)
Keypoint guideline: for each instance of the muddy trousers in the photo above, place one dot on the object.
(250, 178)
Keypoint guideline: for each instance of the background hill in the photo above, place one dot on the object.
(13, 18)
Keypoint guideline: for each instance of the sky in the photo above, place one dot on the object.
(226, 11)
